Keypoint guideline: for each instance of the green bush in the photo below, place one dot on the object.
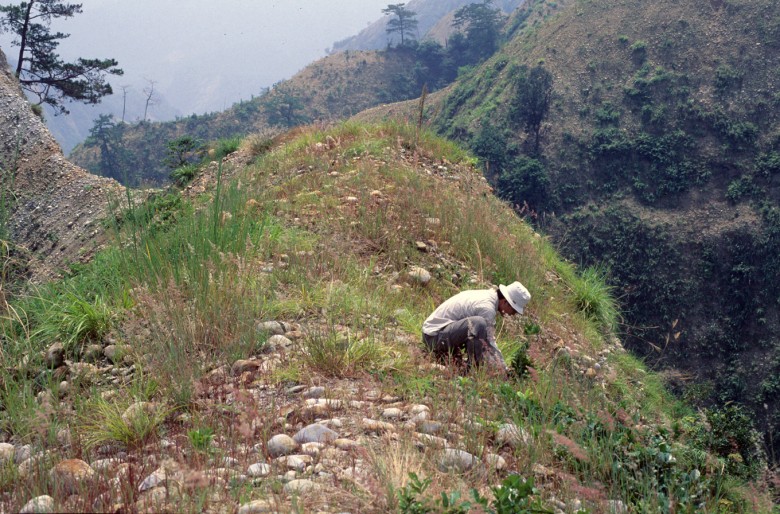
(225, 147)
(184, 174)
(739, 189)
(727, 78)
(732, 436)
(525, 182)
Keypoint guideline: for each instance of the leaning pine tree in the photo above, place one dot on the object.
(40, 70)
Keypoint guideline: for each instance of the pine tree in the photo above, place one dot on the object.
(40, 69)
(404, 23)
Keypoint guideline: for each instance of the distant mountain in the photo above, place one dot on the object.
(332, 88)
(429, 14)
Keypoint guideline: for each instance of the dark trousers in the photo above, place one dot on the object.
(469, 334)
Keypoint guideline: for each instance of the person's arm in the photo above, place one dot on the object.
(492, 355)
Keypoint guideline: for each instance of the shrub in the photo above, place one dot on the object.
(732, 436)
(525, 181)
(607, 114)
(184, 174)
(727, 78)
(739, 188)
(224, 147)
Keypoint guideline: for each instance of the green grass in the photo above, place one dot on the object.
(104, 422)
(282, 242)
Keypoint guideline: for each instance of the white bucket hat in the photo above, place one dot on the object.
(516, 294)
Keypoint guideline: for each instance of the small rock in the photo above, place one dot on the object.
(115, 353)
(229, 462)
(430, 427)
(495, 462)
(315, 433)
(278, 342)
(39, 504)
(419, 418)
(345, 444)
(63, 437)
(512, 436)
(331, 423)
(7, 452)
(280, 445)
(23, 453)
(371, 425)
(432, 440)
(295, 389)
(422, 247)
(314, 392)
(259, 470)
(55, 356)
(330, 404)
(419, 275)
(590, 373)
(92, 353)
(70, 475)
(418, 409)
(242, 366)
(138, 413)
(156, 479)
(296, 462)
(392, 413)
(458, 461)
(312, 449)
(257, 507)
(272, 328)
(301, 486)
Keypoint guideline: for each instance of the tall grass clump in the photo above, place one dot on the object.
(224, 147)
(106, 422)
(594, 297)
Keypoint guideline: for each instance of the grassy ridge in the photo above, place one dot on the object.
(322, 231)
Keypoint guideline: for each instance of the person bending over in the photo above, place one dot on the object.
(467, 322)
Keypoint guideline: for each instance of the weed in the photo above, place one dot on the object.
(104, 422)
(224, 147)
(201, 439)
(344, 355)
(183, 175)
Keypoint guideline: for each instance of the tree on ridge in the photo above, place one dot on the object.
(404, 23)
(40, 69)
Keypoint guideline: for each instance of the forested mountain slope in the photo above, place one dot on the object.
(656, 159)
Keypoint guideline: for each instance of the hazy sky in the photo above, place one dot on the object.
(207, 54)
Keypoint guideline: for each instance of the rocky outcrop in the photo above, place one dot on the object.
(52, 208)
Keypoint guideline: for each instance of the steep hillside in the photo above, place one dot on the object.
(430, 14)
(253, 344)
(48, 207)
(657, 160)
(333, 88)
